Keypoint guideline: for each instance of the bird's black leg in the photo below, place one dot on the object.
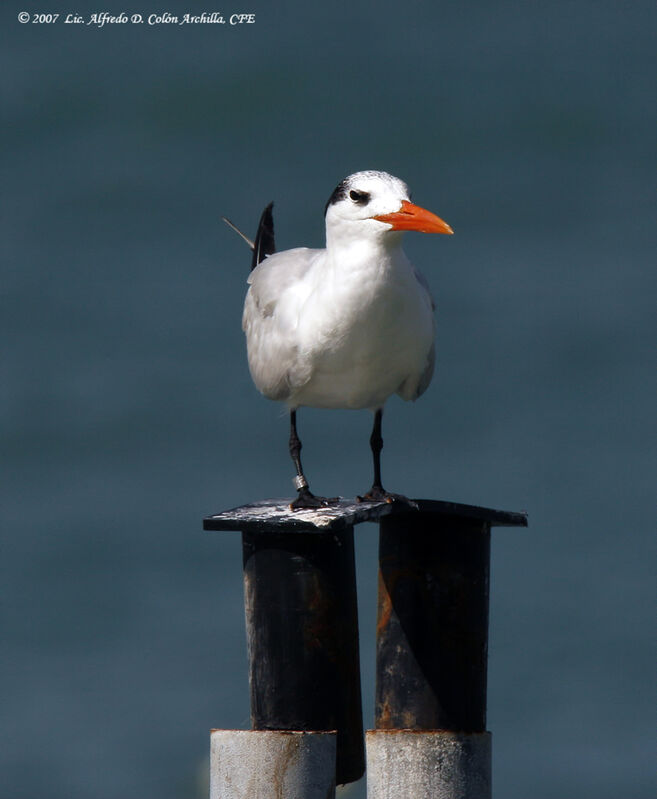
(305, 499)
(378, 493)
(376, 444)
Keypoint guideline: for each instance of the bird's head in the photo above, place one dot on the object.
(371, 205)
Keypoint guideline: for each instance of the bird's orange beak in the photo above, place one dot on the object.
(412, 217)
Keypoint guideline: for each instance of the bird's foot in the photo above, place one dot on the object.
(308, 501)
(379, 494)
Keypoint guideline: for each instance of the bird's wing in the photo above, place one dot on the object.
(421, 279)
(425, 379)
(427, 374)
(276, 294)
(264, 243)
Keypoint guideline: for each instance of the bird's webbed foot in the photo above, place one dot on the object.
(378, 494)
(306, 500)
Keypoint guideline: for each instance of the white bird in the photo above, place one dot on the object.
(346, 326)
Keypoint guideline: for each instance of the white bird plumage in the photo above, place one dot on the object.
(349, 325)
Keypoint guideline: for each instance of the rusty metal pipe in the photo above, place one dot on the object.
(432, 632)
(302, 633)
(432, 654)
(302, 638)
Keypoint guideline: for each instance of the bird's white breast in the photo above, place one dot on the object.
(363, 333)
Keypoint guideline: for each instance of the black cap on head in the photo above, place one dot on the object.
(339, 193)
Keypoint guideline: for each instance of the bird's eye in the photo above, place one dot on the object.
(359, 197)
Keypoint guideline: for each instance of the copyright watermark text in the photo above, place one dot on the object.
(103, 18)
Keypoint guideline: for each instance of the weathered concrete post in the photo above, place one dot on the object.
(247, 764)
(430, 740)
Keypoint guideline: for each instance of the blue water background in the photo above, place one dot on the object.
(128, 411)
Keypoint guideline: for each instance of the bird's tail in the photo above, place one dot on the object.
(264, 243)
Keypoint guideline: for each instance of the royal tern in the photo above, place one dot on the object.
(346, 326)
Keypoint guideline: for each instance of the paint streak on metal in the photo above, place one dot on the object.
(387, 589)
(385, 607)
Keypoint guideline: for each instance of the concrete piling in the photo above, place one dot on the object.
(413, 764)
(270, 764)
